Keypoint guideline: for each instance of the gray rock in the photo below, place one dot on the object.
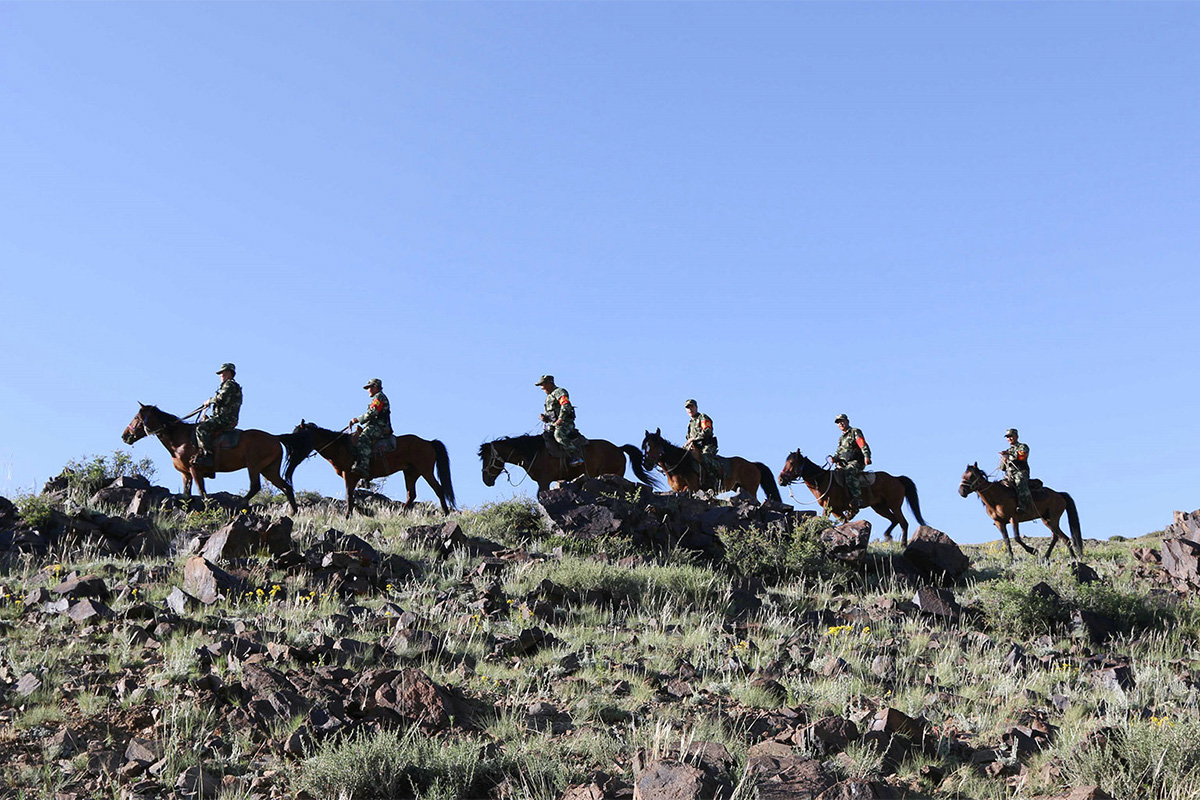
(848, 542)
(671, 780)
(935, 556)
(937, 603)
(206, 581)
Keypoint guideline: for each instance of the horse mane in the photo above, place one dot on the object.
(524, 446)
(671, 451)
(171, 418)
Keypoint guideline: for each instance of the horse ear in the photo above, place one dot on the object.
(658, 431)
(301, 420)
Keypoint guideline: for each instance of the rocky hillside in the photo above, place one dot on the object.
(607, 643)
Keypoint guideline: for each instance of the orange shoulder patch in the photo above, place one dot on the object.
(706, 424)
(562, 401)
(861, 441)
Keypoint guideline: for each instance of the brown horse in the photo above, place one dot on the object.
(683, 471)
(600, 457)
(885, 497)
(1000, 502)
(257, 452)
(417, 457)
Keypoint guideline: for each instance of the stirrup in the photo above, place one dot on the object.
(576, 463)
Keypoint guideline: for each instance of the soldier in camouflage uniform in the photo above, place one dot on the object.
(1015, 461)
(376, 424)
(702, 443)
(223, 408)
(560, 417)
(853, 454)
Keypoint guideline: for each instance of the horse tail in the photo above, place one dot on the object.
(297, 447)
(910, 492)
(635, 463)
(767, 481)
(442, 463)
(1073, 519)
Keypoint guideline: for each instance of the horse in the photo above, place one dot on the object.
(417, 457)
(257, 452)
(683, 471)
(1000, 502)
(886, 495)
(600, 457)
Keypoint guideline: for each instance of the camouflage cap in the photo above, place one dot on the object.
(544, 379)
(1011, 432)
(690, 404)
(374, 382)
(227, 367)
(841, 418)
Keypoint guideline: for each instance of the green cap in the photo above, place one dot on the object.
(842, 418)
(544, 379)
(374, 382)
(227, 366)
(1011, 432)
(690, 404)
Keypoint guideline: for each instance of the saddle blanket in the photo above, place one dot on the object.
(555, 451)
(385, 445)
(1035, 484)
(865, 479)
(227, 439)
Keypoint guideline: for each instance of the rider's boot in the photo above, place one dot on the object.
(202, 459)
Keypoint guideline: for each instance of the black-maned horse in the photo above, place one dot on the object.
(600, 457)
(885, 496)
(417, 457)
(1000, 502)
(683, 471)
(257, 452)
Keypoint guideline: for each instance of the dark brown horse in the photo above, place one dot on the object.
(257, 452)
(885, 497)
(600, 457)
(683, 471)
(417, 457)
(1000, 502)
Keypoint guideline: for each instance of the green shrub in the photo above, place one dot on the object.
(1011, 608)
(773, 553)
(1149, 759)
(36, 510)
(92, 473)
(390, 764)
(516, 520)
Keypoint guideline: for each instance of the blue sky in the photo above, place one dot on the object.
(941, 219)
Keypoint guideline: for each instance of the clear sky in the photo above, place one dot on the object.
(942, 219)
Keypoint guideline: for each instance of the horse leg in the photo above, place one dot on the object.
(187, 484)
(255, 485)
(1056, 534)
(200, 484)
(895, 518)
(351, 482)
(410, 484)
(1007, 542)
(437, 489)
(1017, 535)
(271, 473)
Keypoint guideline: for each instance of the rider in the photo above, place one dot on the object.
(560, 416)
(222, 416)
(376, 424)
(702, 443)
(853, 453)
(1015, 461)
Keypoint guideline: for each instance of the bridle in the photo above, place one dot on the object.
(661, 453)
(495, 459)
(976, 481)
(800, 477)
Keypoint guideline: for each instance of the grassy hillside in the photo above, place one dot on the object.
(551, 665)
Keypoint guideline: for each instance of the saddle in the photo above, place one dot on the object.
(865, 481)
(385, 445)
(556, 451)
(1035, 485)
(227, 439)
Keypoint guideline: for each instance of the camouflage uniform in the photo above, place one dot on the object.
(376, 424)
(1016, 469)
(852, 453)
(700, 434)
(223, 408)
(560, 415)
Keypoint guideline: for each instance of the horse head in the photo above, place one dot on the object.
(493, 463)
(652, 448)
(973, 479)
(137, 428)
(792, 468)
